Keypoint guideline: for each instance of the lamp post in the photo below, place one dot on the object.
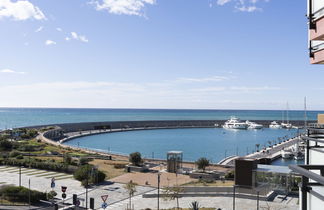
(158, 195)
(234, 197)
(29, 193)
(258, 199)
(19, 176)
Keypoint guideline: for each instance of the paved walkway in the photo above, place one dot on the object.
(41, 180)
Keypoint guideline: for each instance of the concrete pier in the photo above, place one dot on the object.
(270, 153)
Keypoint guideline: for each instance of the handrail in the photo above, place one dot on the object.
(316, 194)
(307, 173)
(312, 139)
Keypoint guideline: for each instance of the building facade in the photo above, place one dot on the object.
(316, 31)
(312, 172)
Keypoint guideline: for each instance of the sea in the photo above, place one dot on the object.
(19, 117)
(213, 143)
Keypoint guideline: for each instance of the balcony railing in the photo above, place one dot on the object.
(310, 181)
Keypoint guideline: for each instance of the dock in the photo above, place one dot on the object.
(270, 153)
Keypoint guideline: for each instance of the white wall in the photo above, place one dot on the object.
(313, 202)
(318, 4)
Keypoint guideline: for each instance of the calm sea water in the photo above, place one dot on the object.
(212, 143)
(285, 162)
(18, 117)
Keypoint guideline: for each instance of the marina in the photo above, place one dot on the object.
(214, 143)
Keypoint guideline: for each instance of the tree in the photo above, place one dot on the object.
(131, 189)
(87, 174)
(202, 163)
(83, 161)
(5, 145)
(173, 193)
(67, 159)
(135, 158)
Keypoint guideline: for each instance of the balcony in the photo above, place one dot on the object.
(312, 185)
(316, 52)
(317, 33)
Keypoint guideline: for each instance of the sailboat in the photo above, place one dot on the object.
(286, 125)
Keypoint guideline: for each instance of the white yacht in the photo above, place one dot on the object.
(253, 125)
(286, 125)
(235, 123)
(275, 125)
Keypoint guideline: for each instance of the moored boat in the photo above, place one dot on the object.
(275, 125)
(286, 153)
(235, 123)
(253, 125)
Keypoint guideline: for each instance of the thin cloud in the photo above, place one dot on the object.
(59, 29)
(77, 37)
(20, 10)
(244, 5)
(222, 2)
(249, 9)
(123, 7)
(50, 42)
(247, 89)
(10, 71)
(205, 79)
(39, 29)
(134, 95)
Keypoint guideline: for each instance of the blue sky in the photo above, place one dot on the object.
(214, 54)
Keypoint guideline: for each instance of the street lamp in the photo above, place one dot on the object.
(234, 196)
(159, 179)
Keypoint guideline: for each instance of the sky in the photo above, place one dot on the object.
(183, 54)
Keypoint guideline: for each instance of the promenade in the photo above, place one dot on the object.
(271, 153)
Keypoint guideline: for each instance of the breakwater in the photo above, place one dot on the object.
(62, 129)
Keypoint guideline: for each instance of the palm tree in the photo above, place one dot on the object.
(173, 193)
(131, 189)
(194, 205)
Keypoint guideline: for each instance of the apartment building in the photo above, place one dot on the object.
(312, 172)
(316, 31)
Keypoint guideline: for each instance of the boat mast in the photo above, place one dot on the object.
(287, 113)
(305, 113)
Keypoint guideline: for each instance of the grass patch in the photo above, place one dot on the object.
(107, 166)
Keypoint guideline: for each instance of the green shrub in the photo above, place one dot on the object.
(5, 145)
(87, 173)
(39, 164)
(67, 159)
(83, 161)
(29, 148)
(19, 157)
(21, 194)
(14, 154)
(229, 175)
